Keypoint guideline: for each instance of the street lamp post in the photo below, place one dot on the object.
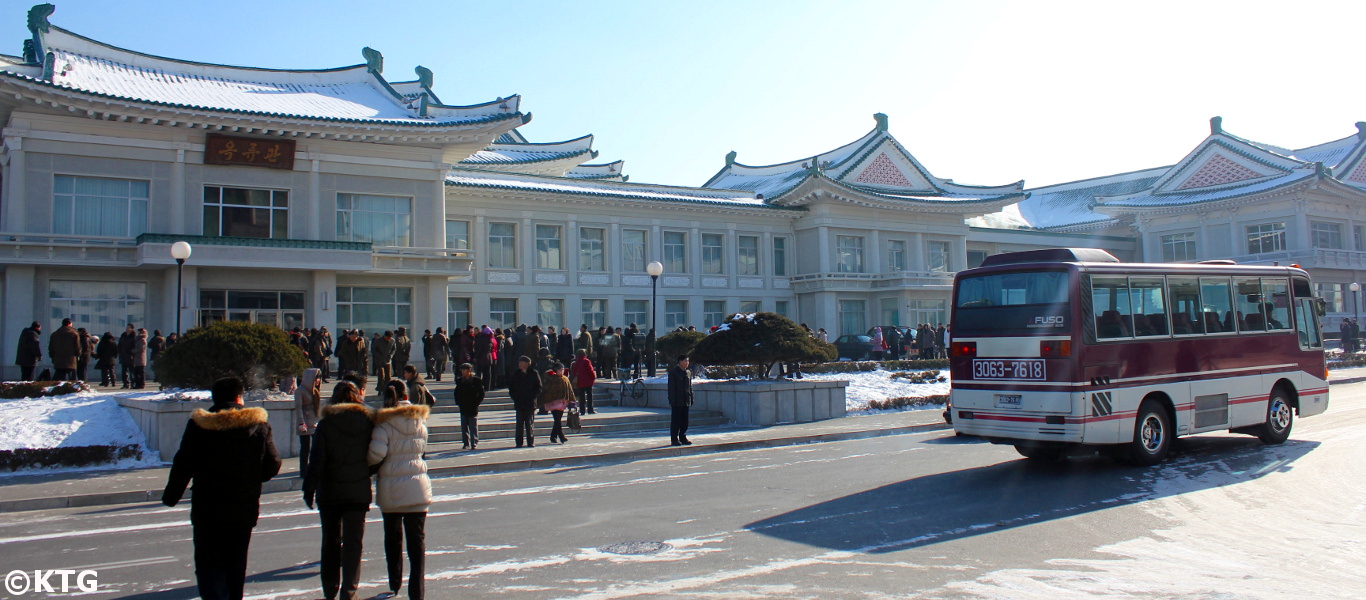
(655, 269)
(179, 251)
(1356, 312)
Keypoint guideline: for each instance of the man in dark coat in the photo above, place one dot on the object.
(403, 350)
(64, 346)
(680, 400)
(227, 451)
(383, 351)
(441, 352)
(349, 351)
(339, 478)
(483, 356)
(630, 350)
(126, 342)
(469, 394)
(87, 351)
(524, 385)
(30, 350)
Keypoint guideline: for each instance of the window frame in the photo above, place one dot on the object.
(549, 249)
(593, 252)
(403, 237)
(270, 209)
(505, 248)
(131, 212)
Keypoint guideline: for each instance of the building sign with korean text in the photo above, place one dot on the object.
(252, 152)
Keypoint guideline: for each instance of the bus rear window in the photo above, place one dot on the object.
(1019, 303)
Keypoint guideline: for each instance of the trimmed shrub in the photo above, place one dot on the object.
(677, 344)
(761, 339)
(255, 353)
(911, 402)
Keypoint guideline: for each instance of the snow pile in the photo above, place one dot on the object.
(61, 423)
(879, 385)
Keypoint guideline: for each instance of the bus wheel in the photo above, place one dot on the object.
(1039, 453)
(1152, 434)
(1279, 417)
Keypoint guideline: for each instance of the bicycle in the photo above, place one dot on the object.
(634, 389)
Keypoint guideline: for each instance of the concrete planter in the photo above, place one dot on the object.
(757, 403)
(163, 423)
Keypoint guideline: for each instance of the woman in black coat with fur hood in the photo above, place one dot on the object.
(339, 478)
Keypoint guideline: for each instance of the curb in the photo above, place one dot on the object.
(289, 484)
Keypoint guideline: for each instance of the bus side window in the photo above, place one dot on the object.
(1276, 304)
(1307, 324)
(1183, 294)
(1149, 306)
(1110, 304)
(1250, 299)
(1216, 304)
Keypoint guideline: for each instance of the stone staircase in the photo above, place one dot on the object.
(497, 419)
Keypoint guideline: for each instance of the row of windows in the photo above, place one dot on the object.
(550, 312)
(849, 256)
(593, 255)
(1266, 237)
(1127, 307)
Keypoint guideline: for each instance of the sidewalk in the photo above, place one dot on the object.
(95, 488)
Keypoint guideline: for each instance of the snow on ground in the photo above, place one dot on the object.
(70, 421)
(879, 385)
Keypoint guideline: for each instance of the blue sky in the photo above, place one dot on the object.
(982, 92)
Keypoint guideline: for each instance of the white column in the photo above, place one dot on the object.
(437, 306)
(570, 252)
(19, 312)
(823, 245)
(15, 199)
(731, 259)
(322, 311)
(874, 252)
(766, 257)
(178, 208)
(438, 213)
(528, 243)
(959, 259)
(479, 235)
(1204, 250)
(314, 209)
(915, 254)
(614, 250)
(694, 253)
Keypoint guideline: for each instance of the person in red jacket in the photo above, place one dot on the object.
(583, 376)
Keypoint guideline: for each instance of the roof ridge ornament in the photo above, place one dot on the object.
(37, 18)
(881, 121)
(730, 158)
(1361, 130)
(374, 61)
(1216, 125)
(424, 76)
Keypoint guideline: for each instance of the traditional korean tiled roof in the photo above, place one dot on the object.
(515, 153)
(874, 165)
(1149, 199)
(610, 171)
(1068, 205)
(606, 190)
(60, 60)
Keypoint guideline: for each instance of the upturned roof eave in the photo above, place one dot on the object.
(1127, 209)
(625, 194)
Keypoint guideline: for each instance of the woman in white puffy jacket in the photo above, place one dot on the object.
(404, 491)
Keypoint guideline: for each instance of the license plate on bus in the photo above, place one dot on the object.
(1008, 400)
(1030, 369)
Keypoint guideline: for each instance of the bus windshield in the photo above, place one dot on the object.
(1021, 302)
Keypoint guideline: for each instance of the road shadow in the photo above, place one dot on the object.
(960, 504)
(189, 592)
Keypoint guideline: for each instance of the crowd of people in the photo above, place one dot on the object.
(1350, 331)
(924, 342)
(71, 349)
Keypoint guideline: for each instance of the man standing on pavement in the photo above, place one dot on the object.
(228, 452)
(65, 348)
(403, 351)
(383, 351)
(126, 342)
(524, 385)
(680, 400)
(30, 350)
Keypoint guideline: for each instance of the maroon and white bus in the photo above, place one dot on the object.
(1058, 349)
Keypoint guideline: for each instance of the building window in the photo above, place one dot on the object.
(638, 311)
(675, 252)
(1334, 296)
(1359, 232)
(853, 316)
(238, 212)
(713, 254)
(749, 306)
(502, 246)
(848, 254)
(98, 306)
(380, 220)
(548, 247)
(713, 312)
(633, 250)
(891, 313)
(458, 313)
(374, 308)
(592, 243)
(780, 257)
(747, 253)
(937, 256)
(458, 235)
(502, 312)
(975, 258)
(281, 309)
(781, 307)
(550, 312)
(1178, 247)
(594, 313)
(1266, 237)
(98, 206)
(896, 256)
(675, 314)
(1326, 235)
(933, 312)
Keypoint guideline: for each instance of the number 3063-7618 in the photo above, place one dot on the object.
(1028, 369)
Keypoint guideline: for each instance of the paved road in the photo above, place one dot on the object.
(908, 516)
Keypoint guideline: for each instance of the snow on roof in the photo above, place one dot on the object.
(1146, 198)
(1331, 154)
(774, 180)
(505, 153)
(610, 170)
(1067, 204)
(604, 189)
(347, 94)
